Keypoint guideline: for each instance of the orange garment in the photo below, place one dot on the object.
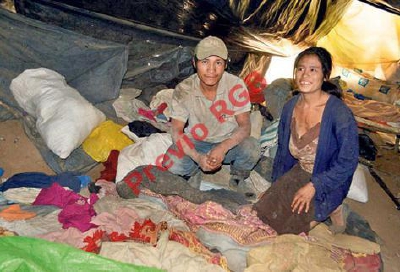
(14, 212)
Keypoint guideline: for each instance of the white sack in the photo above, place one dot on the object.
(144, 151)
(64, 118)
(358, 190)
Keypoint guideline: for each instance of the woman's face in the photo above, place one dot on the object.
(308, 74)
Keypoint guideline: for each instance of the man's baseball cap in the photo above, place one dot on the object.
(211, 46)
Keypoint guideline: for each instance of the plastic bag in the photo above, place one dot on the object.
(31, 254)
(103, 139)
(358, 190)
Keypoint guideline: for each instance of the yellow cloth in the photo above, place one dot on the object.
(291, 252)
(353, 243)
(105, 138)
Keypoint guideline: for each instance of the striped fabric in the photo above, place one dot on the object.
(269, 137)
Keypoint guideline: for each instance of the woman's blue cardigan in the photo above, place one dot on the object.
(336, 158)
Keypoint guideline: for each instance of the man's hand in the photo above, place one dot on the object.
(216, 156)
(302, 198)
(206, 164)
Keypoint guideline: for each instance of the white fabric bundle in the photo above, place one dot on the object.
(145, 151)
(358, 190)
(64, 118)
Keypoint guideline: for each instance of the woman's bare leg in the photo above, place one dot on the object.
(313, 224)
(337, 216)
(339, 219)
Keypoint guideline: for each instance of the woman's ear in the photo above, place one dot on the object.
(194, 62)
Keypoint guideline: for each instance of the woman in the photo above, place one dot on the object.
(317, 152)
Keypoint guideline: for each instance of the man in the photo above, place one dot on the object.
(210, 117)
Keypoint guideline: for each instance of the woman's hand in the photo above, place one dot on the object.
(302, 198)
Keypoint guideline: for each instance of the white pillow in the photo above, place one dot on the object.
(64, 118)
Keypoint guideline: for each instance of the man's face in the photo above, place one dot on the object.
(210, 70)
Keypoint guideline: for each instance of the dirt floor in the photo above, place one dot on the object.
(18, 154)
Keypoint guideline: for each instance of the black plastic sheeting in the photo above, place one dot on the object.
(150, 40)
(94, 67)
(191, 18)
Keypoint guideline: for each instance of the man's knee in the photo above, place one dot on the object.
(180, 166)
(166, 161)
(250, 147)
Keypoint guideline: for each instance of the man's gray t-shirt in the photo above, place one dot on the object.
(210, 121)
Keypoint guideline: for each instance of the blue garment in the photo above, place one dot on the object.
(242, 158)
(336, 156)
(41, 180)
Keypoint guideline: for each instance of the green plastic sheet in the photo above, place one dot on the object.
(28, 254)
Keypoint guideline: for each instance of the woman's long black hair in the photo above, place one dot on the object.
(326, 61)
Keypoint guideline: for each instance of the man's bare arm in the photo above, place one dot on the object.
(218, 153)
(241, 133)
(177, 134)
